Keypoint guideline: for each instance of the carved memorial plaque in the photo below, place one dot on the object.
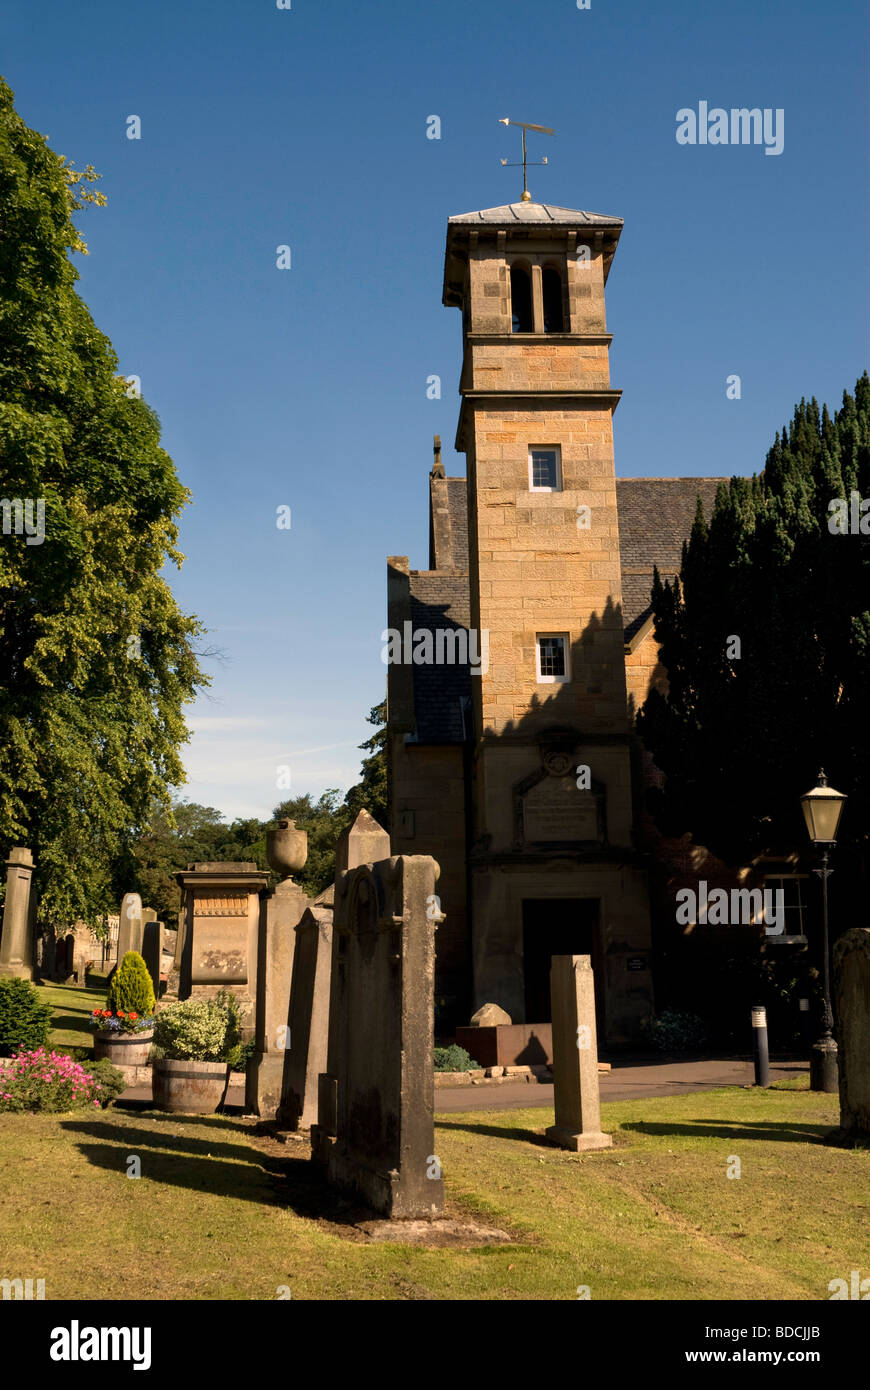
(555, 811)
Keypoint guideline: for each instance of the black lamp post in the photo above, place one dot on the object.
(822, 807)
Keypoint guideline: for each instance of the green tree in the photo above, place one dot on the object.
(130, 987)
(24, 1019)
(372, 792)
(740, 737)
(96, 659)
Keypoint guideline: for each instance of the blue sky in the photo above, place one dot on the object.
(306, 388)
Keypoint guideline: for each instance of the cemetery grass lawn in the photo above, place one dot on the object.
(220, 1213)
(71, 1012)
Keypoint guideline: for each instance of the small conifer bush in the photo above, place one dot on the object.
(24, 1018)
(130, 988)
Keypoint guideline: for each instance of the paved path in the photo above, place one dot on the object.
(631, 1080)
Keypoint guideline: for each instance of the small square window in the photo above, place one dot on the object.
(545, 470)
(552, 658)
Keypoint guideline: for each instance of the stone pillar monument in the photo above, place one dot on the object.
(575, 1056)
(19, 911)
(852, 986)
(222, 912)
(280, 912)
(364, 842)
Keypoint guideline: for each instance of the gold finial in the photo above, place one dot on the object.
(524, 126)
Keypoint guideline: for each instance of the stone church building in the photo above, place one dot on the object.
(521, 654)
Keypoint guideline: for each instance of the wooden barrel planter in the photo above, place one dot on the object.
(193, 1088)
(123, 1049)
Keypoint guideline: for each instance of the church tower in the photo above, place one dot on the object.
(551, 861)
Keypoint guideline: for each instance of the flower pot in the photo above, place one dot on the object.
(286, 848)
(123, 1049)
(194, 1088)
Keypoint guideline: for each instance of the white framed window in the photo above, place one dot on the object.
(552, 658)
(794, 900)
(545, 468)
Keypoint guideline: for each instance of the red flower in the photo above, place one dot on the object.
(132, 1016)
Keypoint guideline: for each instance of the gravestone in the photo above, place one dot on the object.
(363, 842)
(375, 1131)
(173, 981)
(308, 1018)
(280, 912)
(575, 1057)
(852, 984)
(222, 914)
(130, 926)
(152, 952)
(19, 912)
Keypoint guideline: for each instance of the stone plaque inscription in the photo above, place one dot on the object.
(557, 811)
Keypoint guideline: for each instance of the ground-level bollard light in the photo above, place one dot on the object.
(759, 1044)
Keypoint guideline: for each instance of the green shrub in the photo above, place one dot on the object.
(24, 1018)
(453, 1058)
(245, 1052)
(109, 1078)
(676, 1031)
(130, 988)
(200, 1030)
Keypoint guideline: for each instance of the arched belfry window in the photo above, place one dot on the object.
(551, 290)
(521, 300)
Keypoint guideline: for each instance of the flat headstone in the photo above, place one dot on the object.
(152, 952)
(130, 925)
(375, 1132)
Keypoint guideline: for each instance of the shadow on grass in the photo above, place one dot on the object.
(216, 1165)
(528, 1136)
(781, 1131)
(72, 1023)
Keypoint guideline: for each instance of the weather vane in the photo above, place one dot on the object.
(524, 126)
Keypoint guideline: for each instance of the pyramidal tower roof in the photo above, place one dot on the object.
(539, 214)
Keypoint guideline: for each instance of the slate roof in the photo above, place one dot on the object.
(655, 517)
(535, 213)
(440, 601)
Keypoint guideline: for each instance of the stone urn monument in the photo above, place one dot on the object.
(286, 848)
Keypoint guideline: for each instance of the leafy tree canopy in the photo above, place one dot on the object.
(96, 660)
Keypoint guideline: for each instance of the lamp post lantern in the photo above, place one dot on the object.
(822, 808)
